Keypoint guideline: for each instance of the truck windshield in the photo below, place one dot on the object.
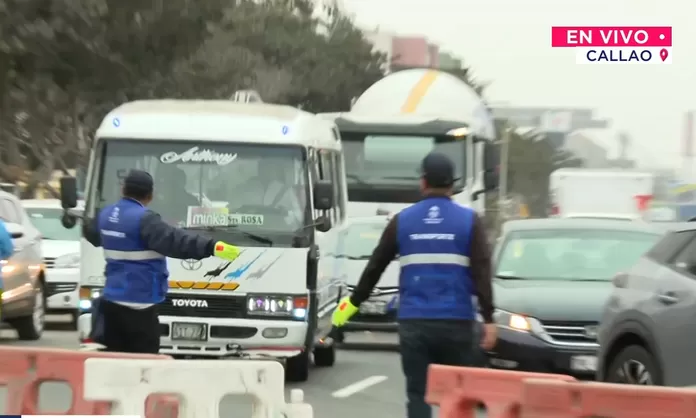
(256, 188)
(376, 164)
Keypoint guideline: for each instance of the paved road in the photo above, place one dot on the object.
(365, 382)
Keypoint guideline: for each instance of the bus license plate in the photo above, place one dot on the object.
(188, 331)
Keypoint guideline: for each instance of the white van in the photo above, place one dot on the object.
(255, 175)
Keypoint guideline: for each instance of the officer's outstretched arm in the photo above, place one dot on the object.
(173, 242)
(383, 254)
(90, 230)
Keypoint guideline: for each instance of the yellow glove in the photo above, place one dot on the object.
(226, 251)
(344, 311)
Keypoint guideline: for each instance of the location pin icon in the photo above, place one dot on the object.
(664, 54)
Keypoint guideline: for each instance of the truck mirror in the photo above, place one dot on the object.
(323, 195)
(68, 192)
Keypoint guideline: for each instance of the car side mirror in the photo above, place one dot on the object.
(322, 224)
(69, 221)
(68, 192)
(323, 195)
(15, 230)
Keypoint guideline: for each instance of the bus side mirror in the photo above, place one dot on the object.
(69, 221)
(322, 224)
(323, 195)
(68, 192)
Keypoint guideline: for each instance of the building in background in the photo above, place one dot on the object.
(592, 154)
(410, 51)
(384, 43)
(327, 11)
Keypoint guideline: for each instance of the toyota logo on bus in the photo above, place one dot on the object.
(191, 264)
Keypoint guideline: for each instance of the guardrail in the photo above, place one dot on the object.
(151, 386)
(458, 391)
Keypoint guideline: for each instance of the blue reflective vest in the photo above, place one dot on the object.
(433, 240)
(134, 274)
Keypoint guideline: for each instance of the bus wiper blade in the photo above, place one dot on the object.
(401, 178)
(258, 238)
(359, 180)
(509, 277)
(351, 257)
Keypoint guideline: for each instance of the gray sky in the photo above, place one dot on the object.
(508, 42)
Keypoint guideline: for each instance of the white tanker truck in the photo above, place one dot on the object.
(401, 118)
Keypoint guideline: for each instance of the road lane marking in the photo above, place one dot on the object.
(358, 386)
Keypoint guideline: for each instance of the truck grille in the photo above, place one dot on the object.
(571, 331)
(49, 262)
(55, 288)
(218, 306)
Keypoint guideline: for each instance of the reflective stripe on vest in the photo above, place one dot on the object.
(133, 255)
(411, 259)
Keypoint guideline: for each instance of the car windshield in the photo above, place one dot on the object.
(258, 188)
(359, 239)
(571, 254)
(47, 221)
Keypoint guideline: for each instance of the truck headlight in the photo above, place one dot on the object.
(87, 295)
(277, 305)
(67, 261)
(513, 321)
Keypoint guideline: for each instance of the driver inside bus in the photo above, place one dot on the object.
(274, 187)
(172, 200)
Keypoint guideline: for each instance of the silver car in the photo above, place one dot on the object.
(647, 330)
(23, 274)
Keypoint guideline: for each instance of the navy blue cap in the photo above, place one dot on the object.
(437, 170)
(138, 181)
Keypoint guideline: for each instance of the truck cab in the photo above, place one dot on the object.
(399, 120)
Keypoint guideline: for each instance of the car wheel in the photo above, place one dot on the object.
(634, 365)
(325, 356)
(31, 327)
(297, 368)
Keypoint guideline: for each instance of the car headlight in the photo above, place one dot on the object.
(513, 321)
(67, 261)
(87, 295)
(278, 305)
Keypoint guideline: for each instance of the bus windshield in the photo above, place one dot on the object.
(376, 163)
(258, 188)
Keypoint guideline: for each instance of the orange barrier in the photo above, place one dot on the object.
(459, 390)
(24, 369)
(545, 398)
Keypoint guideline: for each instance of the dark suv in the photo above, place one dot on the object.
(647, 334)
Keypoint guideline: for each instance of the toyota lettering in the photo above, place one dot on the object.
(194, 303)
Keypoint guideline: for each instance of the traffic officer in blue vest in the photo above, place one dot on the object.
(445, 260)
(136, 242)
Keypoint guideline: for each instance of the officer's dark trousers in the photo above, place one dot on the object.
(129, 330)
(425, 342)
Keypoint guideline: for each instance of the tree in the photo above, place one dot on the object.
(65, 63)
(531, 160)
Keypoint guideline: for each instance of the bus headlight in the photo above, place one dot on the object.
(277, 305)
